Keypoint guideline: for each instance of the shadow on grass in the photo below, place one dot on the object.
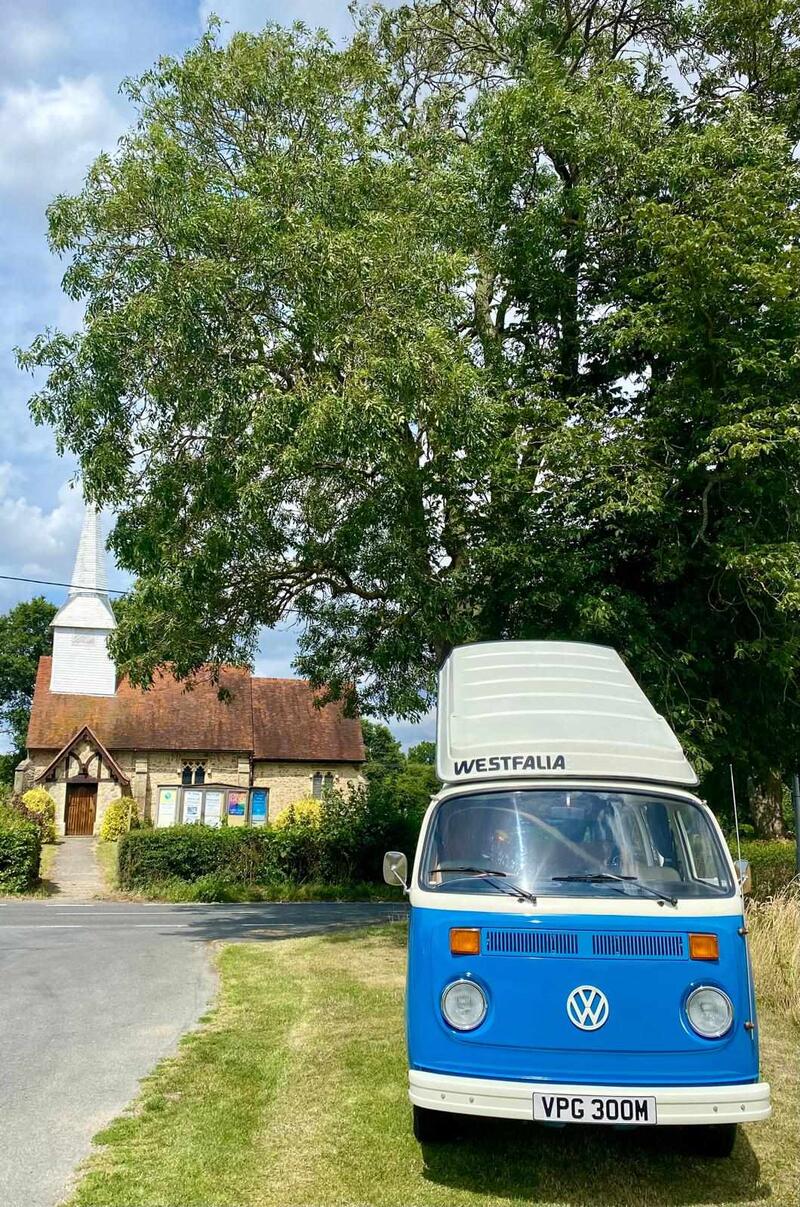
(580, 1165)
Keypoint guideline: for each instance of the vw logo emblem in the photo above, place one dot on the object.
(587, 1008)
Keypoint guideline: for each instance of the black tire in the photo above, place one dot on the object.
(716, 1139)
(433, 1127)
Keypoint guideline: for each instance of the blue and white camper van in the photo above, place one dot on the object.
(577, 944)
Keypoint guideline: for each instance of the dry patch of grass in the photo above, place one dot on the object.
(294, 1094)
(775, 947)
(46, 863)
(106, 856)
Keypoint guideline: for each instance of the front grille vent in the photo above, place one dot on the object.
(530, 942)
(644, 946)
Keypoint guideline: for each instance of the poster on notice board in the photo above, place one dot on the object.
(258, 806)
(213, 815)
(237, 808)
(192, 807)
(167, 806)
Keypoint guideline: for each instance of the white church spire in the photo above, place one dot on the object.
(90, 562)
(81, 664)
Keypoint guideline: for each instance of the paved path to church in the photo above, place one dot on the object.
(92, 995)
(75, 872)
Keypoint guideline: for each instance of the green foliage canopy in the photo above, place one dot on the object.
(25, 635)
(484, 326)
(423, 752)
(384, 754)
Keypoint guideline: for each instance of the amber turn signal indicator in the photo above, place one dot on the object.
(702, 947)
(464, 942)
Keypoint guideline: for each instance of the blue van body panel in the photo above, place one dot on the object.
(529, 965)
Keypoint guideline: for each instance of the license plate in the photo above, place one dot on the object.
(596, 1108)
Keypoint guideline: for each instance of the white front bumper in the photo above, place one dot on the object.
(514, 1099)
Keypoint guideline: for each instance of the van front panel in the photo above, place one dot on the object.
(529, 966)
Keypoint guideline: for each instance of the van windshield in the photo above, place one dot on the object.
(574, 843)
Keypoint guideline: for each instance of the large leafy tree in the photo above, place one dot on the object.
(385, 757)
(485, 326)
(25, 635)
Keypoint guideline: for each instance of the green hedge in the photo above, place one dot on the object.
(343, 845)
(20, 853)
(772, 862)
(190, 852)
(241, 856)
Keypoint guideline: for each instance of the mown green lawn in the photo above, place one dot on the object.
(294, 1092)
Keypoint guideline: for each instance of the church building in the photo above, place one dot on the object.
(184, 755)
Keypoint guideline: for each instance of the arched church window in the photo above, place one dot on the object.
(193, 773)
(328, 782)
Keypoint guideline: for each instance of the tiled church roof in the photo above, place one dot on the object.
(284, 709)
(270, 718)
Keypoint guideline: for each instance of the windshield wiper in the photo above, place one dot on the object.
(510, 889)
(467, 868)
(610, 878)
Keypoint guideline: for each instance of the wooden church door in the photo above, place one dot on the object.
(81, 803)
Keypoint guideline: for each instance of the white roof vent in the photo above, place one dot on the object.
(550, 710)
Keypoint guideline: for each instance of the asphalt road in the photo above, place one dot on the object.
(91, 997)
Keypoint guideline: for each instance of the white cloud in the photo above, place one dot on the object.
(39, 543)
(49, 136)
(31, 39)
(34, 541)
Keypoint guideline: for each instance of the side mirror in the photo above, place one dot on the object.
(395, 868)
(744, 874)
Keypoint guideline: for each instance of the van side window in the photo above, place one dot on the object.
(700, 855)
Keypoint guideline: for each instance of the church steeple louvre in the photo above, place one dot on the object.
(81, 663)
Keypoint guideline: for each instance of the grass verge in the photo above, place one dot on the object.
(294, 1093)
(217, 888)
(106, 855)
(46, 863)
(775, 947)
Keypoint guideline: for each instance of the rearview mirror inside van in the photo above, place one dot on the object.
(395, 868)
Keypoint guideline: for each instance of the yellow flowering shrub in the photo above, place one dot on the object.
(307, 811)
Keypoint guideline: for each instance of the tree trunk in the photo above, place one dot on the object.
(766, 806)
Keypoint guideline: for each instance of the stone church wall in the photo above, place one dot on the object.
(149, 771)
(290, 782)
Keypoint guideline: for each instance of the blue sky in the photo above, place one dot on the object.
(61, 63)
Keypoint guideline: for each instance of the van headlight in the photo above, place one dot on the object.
(709, 1011)
(464, 1005)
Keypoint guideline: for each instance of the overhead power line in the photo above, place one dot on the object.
(46, 582)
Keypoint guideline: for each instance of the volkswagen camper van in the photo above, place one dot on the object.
(577, 943)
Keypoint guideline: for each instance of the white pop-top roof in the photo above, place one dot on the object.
(549, 710)
(87, 605)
